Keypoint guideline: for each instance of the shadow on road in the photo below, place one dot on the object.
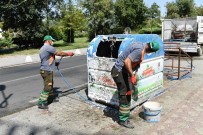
(20, 128)
(12, 128)
(4, 103)
(110, 111)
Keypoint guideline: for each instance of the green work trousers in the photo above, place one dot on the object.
(124, 85)
(48, 86)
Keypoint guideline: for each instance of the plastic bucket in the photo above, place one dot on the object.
(152, 111)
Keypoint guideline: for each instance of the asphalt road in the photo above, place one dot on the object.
(20, 86)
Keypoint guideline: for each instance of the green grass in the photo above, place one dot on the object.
(60, 45)
(79, 43)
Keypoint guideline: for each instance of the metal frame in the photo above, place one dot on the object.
(181, 55)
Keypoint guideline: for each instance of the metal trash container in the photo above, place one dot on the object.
(101, 56)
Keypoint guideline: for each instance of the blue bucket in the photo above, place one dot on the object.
(152, 111)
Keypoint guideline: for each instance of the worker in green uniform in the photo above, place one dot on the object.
(47, 55)
(124, 75)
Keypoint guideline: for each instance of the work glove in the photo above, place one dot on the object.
(70, 53)
(129, 92)
(57, 64)
(133, 79)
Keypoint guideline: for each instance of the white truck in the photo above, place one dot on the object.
(186, 33)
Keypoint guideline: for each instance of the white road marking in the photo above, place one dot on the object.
(34, 100)
(18, 79)
(38, 75)
(73, 67)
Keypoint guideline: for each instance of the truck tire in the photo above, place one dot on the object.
(199, 51)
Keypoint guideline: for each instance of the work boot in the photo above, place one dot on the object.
(126, 124)
(52, 99)
(43, 106)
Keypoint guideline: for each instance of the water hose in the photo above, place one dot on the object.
(78, 94)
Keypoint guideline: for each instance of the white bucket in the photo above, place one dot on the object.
(152, 111)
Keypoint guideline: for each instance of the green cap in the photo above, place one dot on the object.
(154, 46)
(48, 37)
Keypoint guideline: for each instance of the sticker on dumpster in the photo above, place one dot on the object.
(150, 68)
(149, 84)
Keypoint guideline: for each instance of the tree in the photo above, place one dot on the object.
(180, 8)
(154, 15)
(74, 20)
(199, 10)
(130, 13)
(56, 29)
(154, 11)
(152, 23)
(100, 16)
(25, 17)
(51, 12)
(186, 7)
(172, 10)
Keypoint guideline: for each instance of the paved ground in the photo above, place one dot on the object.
(182, 114)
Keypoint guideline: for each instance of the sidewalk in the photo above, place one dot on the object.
(182, 114)
(26, 59)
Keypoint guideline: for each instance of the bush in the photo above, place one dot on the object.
(56, 33)
(5, 34)
(6, 42)
(80, 34)
(155, 30)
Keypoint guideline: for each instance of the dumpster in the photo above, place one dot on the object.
(102, 53)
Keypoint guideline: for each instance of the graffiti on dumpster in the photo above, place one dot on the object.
(101, 63)
(102, 93)
(101, 77)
